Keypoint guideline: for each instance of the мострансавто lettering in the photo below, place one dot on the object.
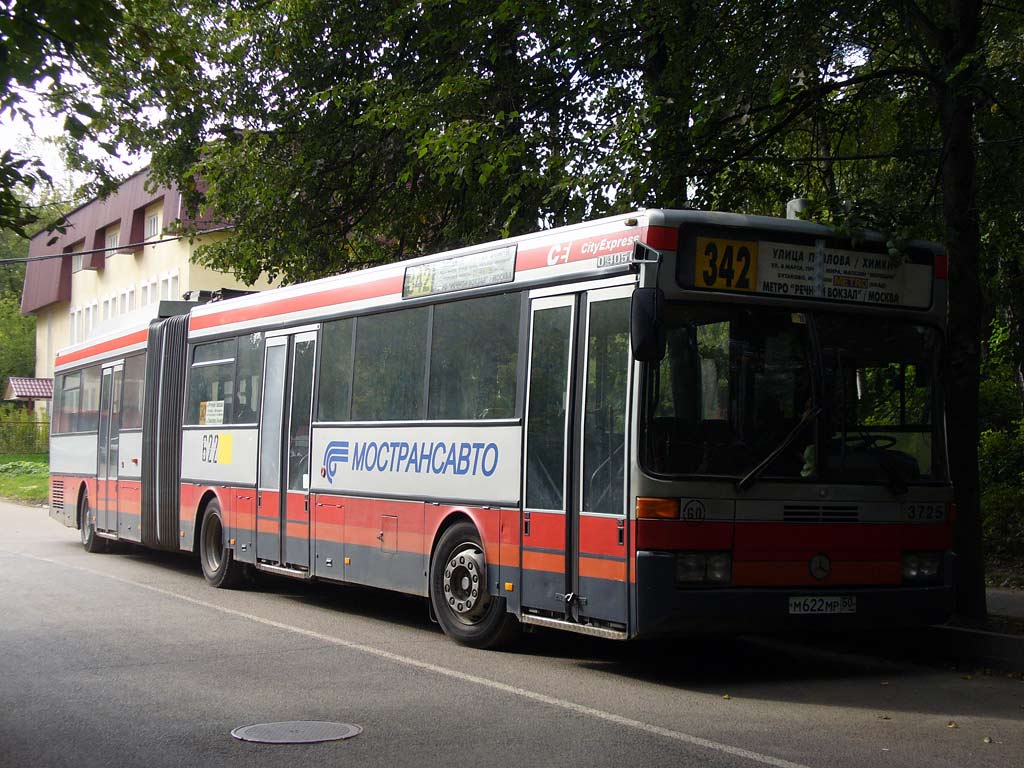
(436, 458)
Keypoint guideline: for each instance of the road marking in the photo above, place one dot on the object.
(524, 693)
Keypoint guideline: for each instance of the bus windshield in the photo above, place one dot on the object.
(737, 382)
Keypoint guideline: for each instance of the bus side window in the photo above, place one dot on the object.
(248, 378)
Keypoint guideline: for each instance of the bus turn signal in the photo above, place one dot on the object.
(657, 509)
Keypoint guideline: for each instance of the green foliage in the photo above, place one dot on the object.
(25, 478)
(17, 340)
(43, 45)
(22, 432)
(16, 468)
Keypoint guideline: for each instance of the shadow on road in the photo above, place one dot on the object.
(829, 670)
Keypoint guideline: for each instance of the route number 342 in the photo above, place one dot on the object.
(726, 264)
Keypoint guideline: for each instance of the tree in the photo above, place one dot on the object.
(43, 45)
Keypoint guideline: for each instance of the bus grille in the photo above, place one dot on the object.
(820, 513)
(57, 495)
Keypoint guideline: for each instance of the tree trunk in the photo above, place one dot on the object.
(956, 107)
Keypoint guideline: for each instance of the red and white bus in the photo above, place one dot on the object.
(655, 423)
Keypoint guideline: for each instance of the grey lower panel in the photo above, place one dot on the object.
(399, 571)
(540, 588)
(329, 560)
(129, 527)
(607, 600)
(245, 552)
(496, 586)
(268, 546)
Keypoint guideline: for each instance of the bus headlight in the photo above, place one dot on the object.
(703, 567)
(719, 567)
(922, 567)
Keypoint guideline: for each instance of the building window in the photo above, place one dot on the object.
(152, 225)
(112, 241)
(76, 262)
(106, 309)
(131, 299)
(169, 287)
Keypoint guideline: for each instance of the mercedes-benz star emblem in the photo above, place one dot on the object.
(820, 567)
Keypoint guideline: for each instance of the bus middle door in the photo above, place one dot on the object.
(282, 510)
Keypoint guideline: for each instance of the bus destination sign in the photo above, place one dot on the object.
(810, 271)
(474, 270)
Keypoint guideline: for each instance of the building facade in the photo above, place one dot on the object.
(134, 265)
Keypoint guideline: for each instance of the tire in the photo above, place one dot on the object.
(90, 541)
(464, 608)
(219, 565)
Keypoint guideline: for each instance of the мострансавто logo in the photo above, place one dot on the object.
(423, 457)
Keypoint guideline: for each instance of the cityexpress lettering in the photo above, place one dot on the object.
(423, 458)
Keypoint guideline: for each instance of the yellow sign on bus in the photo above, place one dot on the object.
(723, 264)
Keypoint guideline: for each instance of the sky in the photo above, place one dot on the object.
(36, 139)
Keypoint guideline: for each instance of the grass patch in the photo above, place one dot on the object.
(25, 477)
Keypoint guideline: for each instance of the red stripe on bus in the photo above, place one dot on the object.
(676, 534)
(106, 346)
(574, 247)
(840, 541)
(547, 530)
(662, 238)
(600, 536)
(332, 296)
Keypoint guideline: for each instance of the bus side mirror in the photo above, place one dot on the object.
(647, 324)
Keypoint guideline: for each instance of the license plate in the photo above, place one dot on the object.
(802, 605)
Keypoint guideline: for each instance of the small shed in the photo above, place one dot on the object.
(28, 390)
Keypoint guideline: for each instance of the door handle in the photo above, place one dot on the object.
(622, 532)
(380, 536)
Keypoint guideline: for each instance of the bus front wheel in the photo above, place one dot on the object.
(465, 609)
(90, 541)
(219, 566)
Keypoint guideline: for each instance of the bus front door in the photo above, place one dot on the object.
(282, 512)
(575, 532)
(109, 433)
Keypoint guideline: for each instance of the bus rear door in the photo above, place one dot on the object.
(109, 432)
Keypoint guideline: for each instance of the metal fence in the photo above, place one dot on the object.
(24, 436)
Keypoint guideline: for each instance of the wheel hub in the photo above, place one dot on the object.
(464, 587)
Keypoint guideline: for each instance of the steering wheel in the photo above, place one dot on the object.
(866, 441)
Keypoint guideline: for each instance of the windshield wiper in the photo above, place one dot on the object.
(752, 475)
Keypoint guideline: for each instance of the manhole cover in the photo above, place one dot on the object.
(296, 732)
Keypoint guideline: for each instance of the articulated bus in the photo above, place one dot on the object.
(652, 424)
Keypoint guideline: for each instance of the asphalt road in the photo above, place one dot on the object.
(130, 659)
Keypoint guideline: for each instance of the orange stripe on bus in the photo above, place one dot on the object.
(595, 568)
(543, 561)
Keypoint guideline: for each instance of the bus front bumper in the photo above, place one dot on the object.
(664, 609)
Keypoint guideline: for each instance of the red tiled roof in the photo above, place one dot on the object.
(19, 388)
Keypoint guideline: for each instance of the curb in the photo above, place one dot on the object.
(991, 649)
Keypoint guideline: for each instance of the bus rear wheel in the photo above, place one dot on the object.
(464, 608)
(219, 565)
(90, 541)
